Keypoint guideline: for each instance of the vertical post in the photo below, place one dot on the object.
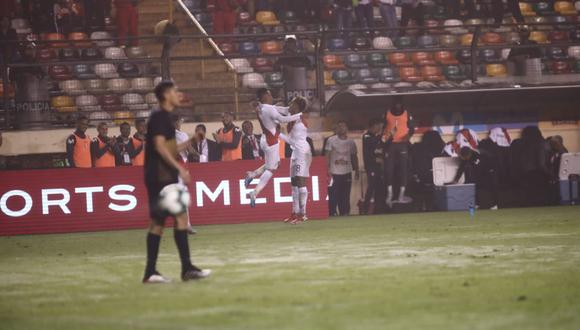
(6, 91)
(319, 46)
(202, 60)
(170, 7)
(474, 53)
(236, 94)
(165, 53)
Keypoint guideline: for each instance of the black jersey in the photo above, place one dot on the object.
(157, 172)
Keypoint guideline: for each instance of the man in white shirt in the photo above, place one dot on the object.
(270, 117)
(342, 161)
(299, 162)
(180, 138)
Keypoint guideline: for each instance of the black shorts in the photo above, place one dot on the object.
(155, 212)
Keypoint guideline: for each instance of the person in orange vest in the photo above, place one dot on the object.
(78, 145)
(138, 142)
(103, 148)
(229, 138)
(398, 131)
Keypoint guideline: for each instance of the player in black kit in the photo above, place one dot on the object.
(161, 169)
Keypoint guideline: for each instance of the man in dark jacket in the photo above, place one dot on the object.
(205, 150)
(250, 142)
(479, 168)
(373, 161)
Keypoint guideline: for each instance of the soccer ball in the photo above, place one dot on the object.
(175, 199)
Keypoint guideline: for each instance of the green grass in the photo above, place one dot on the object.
(510, 269)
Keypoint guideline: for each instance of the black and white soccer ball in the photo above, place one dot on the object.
(175, 198)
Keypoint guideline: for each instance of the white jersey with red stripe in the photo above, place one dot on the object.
(270, 118)
(297, 134)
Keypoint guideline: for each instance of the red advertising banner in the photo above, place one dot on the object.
(73, 200)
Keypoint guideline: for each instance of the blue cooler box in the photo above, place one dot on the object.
(454, 197)
(569, 192)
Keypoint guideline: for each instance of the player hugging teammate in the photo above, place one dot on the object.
(270, 117)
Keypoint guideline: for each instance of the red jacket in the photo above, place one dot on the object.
(224, 5)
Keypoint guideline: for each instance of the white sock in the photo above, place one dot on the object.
(389, 192)
(295, 200)
(402, 192)
(264, 179)
(303, 199)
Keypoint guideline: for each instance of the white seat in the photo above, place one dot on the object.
(115, 53)
(72, 87)
(253, 80)
(242, 65)
(454, 26)
(118, 85)
(106, 70)
(150, 98)
(99, 37)
(95, 85)
(86, 100)
(382, 43)
(142, 84)
(132, 98)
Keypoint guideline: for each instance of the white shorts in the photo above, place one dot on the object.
(300, 164)
(271, 155)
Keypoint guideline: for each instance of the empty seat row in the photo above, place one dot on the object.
(117, 85)
(72, 54)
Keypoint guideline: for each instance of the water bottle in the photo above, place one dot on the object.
(471, 210)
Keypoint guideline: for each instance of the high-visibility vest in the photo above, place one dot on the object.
(82, 151)
(228, 137)
(400, 122)
(139, 159)
(108, 159)
(282, 150)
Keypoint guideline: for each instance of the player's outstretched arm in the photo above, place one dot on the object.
(288, 119)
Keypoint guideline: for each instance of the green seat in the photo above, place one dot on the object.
(386, 75)
(405, 42)
(343, 77)
(274, 79)
(454, 72)
(377, 60)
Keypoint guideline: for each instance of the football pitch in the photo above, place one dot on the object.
(509, 269)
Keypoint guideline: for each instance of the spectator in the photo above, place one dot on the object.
(342, 161)
(138, 142)
(480, 169)
(224, 15)
(397, 133)
(96, 11)
(365, 14)
(555, 152)
(389, 14)
(78, 145)
(411, 9)
(519, 56)
(103, 148)
(422, 155)
(294, 67)
(127, 21)
(181, 137)
(68, 16)
(343, 11)
(373, 161)
(229, 138)
(250, 142)
(7, 33)
(206, 150)
(498, 144)
(124, 148)
(455, 8)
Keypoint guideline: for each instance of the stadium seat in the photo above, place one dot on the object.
(94, 85)
(445, 57)
(249, 48)
(253, 80)
(102, 39)
(272, 47)
(274, 79)
(56, 40)
(289, 17)
(68, 54)
(426, 41)
(333, 62)
(405, 42)
(335, 44)
(386, 75)
(72, 87)
(135, 52)
(267, 18)
(360, 43)
(562, 22)
(539, 37)
(244, 18)
(541, 23)
(377, 60)
(543, 8)
(467, 39)
(432, 27)
(91, 54)
(142, 114)
(526, 9)
(496, 70)
(422, 58)
(556, 53)
(558, 36)
(132, 99)
(118, 85)
(328, 80)
(366, 76)
(409, 74)
(263, 64)
(86, 100)
(142, 84)
(454, 72)
(106, 70)
(59, 72)
(473, 22)
(120, 117)
(45, 55)
(560, 67)
(343, 77)
(454, 26)
(84, 71)
(255, 29)
(79, 40)
(574, 52)
(242, 65)
(488, 56)
(400, 59)
(227, 48)
(63, 103)
(100, 116)
(448, 40)
(150, 98)
(108, 100)
(357, 87)
(431, 73)
(565, 8)
(128, 70)
(115, 53)
(382, 43)
(355, 61)
(464, 55)
(492, 38)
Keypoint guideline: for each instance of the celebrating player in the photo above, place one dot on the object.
(270, 117)
(161, 169)
(299, 162)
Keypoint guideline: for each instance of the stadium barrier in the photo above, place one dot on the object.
(82, 200)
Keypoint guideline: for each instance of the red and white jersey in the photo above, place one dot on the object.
(270, 117)
(297, 134)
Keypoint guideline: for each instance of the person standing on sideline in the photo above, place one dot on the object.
(127, 21)
(396, 135)
(342, 161)
(103, 148)
(138, 142)
(78, 145)
(163, 168)
(124, 148)
(229, 138)
(373, 161)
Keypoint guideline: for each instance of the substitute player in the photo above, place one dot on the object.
(299, 162)
(162, 168)
(270, 117)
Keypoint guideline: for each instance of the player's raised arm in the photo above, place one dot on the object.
(287, 119)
